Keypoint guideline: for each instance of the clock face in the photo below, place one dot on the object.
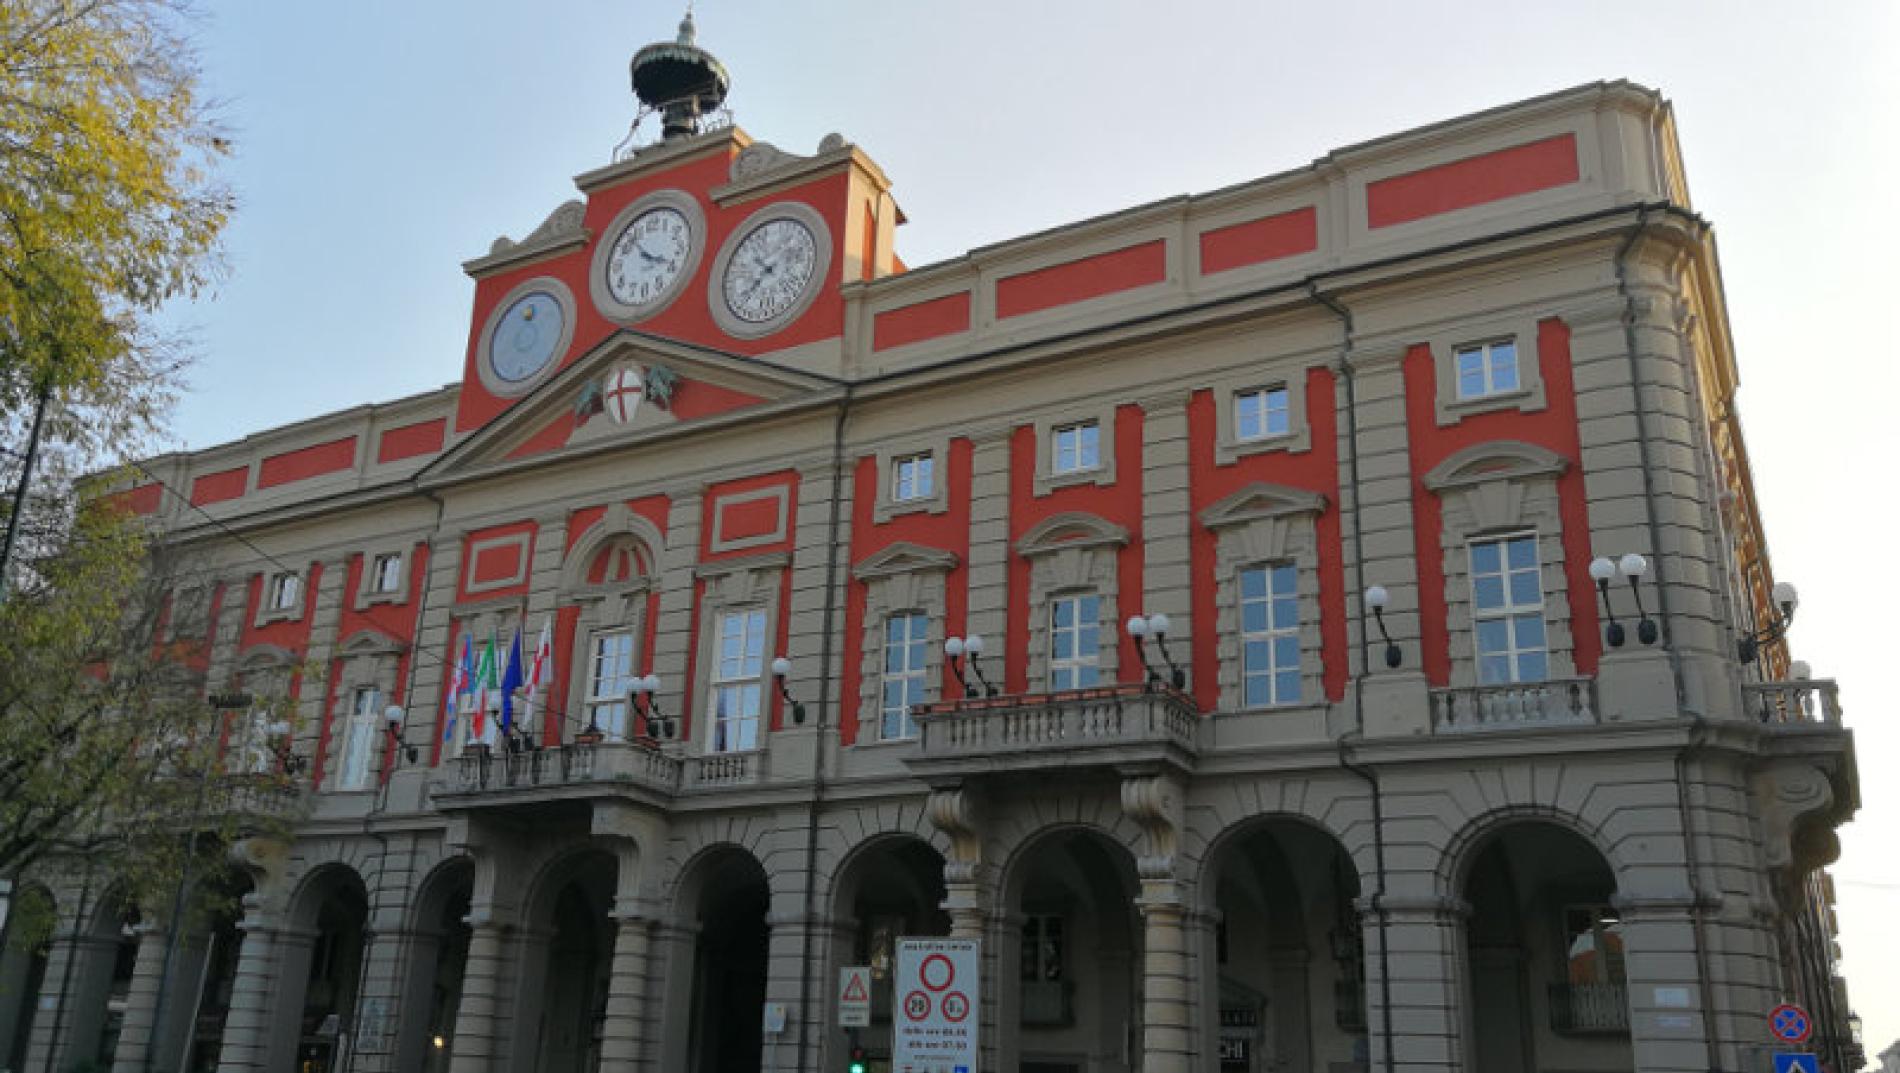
(649, 257)
(528, 336)
(770, 270)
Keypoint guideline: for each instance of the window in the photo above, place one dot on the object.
(906, 658)
(358, 738)
(1593, 945)
(1507, 611)
(284, 590)
(1262, 413)
(1077, 448)
(257, 757)
(737, 689)
(1487, 369)
(1043, 947)
(1075, 651)
(1269, 636)
(609, 677)
(386, 573)
(912, 478)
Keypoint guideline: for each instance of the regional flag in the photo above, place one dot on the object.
(541, 671)
(458, 688)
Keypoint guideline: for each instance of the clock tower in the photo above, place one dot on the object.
(702, 236)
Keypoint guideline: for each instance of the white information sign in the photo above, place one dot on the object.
(936, 1006)
(854, 997)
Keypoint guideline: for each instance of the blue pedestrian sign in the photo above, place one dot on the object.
(1797, 1063)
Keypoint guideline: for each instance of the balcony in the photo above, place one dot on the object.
(562, 772)
(1800, 700)
(1106, 728)
(1590, 1009)
(1514, 706)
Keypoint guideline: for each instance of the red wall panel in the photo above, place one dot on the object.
(1267, 239)
(1074, 281)
(924, 320)
(307, 462)
(1521, 169)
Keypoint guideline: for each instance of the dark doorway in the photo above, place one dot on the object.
(729, 969)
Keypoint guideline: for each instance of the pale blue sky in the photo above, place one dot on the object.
(381, 144)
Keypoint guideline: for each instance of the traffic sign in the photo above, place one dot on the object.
(1790, 1023)
(934, 1030)
(854, 997)
(1797, 1063)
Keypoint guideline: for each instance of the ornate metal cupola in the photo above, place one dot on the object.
(680, 80)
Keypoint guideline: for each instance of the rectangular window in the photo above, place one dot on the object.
(1077, 448)
(1269, 636)
(1487, 369)
(609, 677)
(906, 662)
(1075, 651)
(737, 689)
(912, 478)
(1262, 414)
(358, 740)
(1044, 947)
(258, 751)
(1593, 945)
(386, 573)
(284, 589)
(1507, 611)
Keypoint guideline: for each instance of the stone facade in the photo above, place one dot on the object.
(1596, 858)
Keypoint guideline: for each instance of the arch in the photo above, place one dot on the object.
(439, 886)
(24, 949)
(843, 882)
(717, 958)
(1469, 842)
(331, 877)
(566, 907)
(1208, 857)
(620, 526)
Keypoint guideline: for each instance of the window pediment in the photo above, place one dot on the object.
(1069, 530)
(904, 557)
(368, 642)
(616, 554)
(1260, 501)
(1498, 460)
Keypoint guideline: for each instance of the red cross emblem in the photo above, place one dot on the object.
(622, 396)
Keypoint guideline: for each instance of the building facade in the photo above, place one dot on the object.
(1198, 605)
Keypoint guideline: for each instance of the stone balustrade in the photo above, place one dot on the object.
(1555, 702)
(1110, 725)
(1801, 700)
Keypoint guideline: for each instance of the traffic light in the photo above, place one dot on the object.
(857, 1061)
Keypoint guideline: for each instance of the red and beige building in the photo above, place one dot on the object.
(1195, 604)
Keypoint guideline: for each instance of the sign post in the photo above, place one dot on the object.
(854, 997)
(937, 999)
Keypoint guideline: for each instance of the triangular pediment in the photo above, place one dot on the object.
(1261, 500)
(903, 557)
(630, 388)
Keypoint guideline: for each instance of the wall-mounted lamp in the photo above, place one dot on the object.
(1155, 626)
(392, 719)
(968, 649)
(290, 762)
(646, 703)
(1377, 598)
(1632, 566)
(782, 669)
(1785, 598)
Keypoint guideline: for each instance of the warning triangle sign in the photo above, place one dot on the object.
(854, 991)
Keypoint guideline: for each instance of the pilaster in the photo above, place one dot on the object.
(1166, 521)
(1421, 941)
(989, 539)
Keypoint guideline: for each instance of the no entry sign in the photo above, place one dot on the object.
(935, 1029)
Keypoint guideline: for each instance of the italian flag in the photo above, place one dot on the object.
(485, 686)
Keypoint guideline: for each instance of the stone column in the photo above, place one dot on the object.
(477, 1042)
(629, 1035)
(70, 962)
(1167, 1044)
(246, 1025)
(1665, 993)
(141, 1002)
(1423, 945)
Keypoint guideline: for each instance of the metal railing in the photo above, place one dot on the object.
(1555, 702)
(1587, 1008)
(1801, 700)
(1117, 715)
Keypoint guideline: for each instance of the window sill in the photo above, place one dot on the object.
(884, 743)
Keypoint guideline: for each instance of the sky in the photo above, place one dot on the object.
(380, 145)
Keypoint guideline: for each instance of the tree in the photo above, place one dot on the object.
(109, 205)
(110, 752)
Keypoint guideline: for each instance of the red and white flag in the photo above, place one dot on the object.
(541, 669)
